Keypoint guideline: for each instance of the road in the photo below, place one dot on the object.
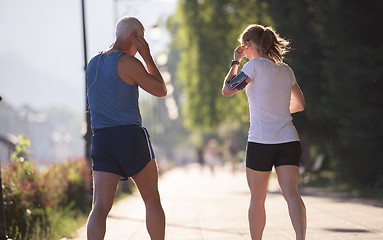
(200, 205)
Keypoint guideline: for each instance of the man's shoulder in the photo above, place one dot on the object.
(128, 63)
(128, 67)
(94, 58)
(128, 59)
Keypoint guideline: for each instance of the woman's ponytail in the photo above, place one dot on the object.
(269, 42)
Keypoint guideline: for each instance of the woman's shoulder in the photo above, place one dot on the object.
(283, 65)
(286, 66)
(287, 69)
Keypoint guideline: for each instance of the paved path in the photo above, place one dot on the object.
(199, 206)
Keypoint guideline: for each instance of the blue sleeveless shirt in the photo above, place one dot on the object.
(112, 101)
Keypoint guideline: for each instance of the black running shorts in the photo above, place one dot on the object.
(122, 150)
(262, 157)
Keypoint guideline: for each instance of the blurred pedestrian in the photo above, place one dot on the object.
(121, 147)
(200, 157)
(230, 154)
(273, 95)
(212, 155)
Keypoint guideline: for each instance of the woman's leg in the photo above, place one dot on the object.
(104, 190)
(288, 177)
(147, 183)
(258, 181)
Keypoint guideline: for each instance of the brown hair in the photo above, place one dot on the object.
(269, 42)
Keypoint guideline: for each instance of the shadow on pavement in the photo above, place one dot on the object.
(346, 230)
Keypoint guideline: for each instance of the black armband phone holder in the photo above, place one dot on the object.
(237, 82)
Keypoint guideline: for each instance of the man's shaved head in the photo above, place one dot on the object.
(127, 25)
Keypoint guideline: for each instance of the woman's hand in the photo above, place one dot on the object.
(238, 53)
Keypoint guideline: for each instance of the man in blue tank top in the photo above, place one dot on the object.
(121, 147)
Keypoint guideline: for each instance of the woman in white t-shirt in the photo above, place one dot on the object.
(273, 94)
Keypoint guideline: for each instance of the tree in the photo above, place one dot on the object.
(353, 66)
(206, 33)
(336, 56)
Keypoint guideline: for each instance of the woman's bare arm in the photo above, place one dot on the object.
(297, 102)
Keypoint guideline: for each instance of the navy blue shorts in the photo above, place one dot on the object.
(262, 157)
(122, 150)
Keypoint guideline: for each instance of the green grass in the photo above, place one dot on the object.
(67, 226)
(65, 222)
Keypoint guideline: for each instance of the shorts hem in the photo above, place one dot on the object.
(273, 143)
(106, 171)
(139, 170)
(288, 164)
(259, 169)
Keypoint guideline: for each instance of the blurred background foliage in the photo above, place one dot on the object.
(46, 203)
(337, 60)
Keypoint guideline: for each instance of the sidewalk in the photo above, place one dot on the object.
(199, 205)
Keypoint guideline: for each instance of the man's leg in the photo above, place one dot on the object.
(147, 183)
(105, 186)
(288, 177)
(258, 181)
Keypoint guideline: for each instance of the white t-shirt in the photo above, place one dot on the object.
(269, 93)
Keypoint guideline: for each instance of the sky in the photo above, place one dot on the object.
(41, 45)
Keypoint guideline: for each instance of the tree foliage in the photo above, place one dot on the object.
(206, 34)
(23, 143)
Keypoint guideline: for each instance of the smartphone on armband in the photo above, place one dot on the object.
(237, 82)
